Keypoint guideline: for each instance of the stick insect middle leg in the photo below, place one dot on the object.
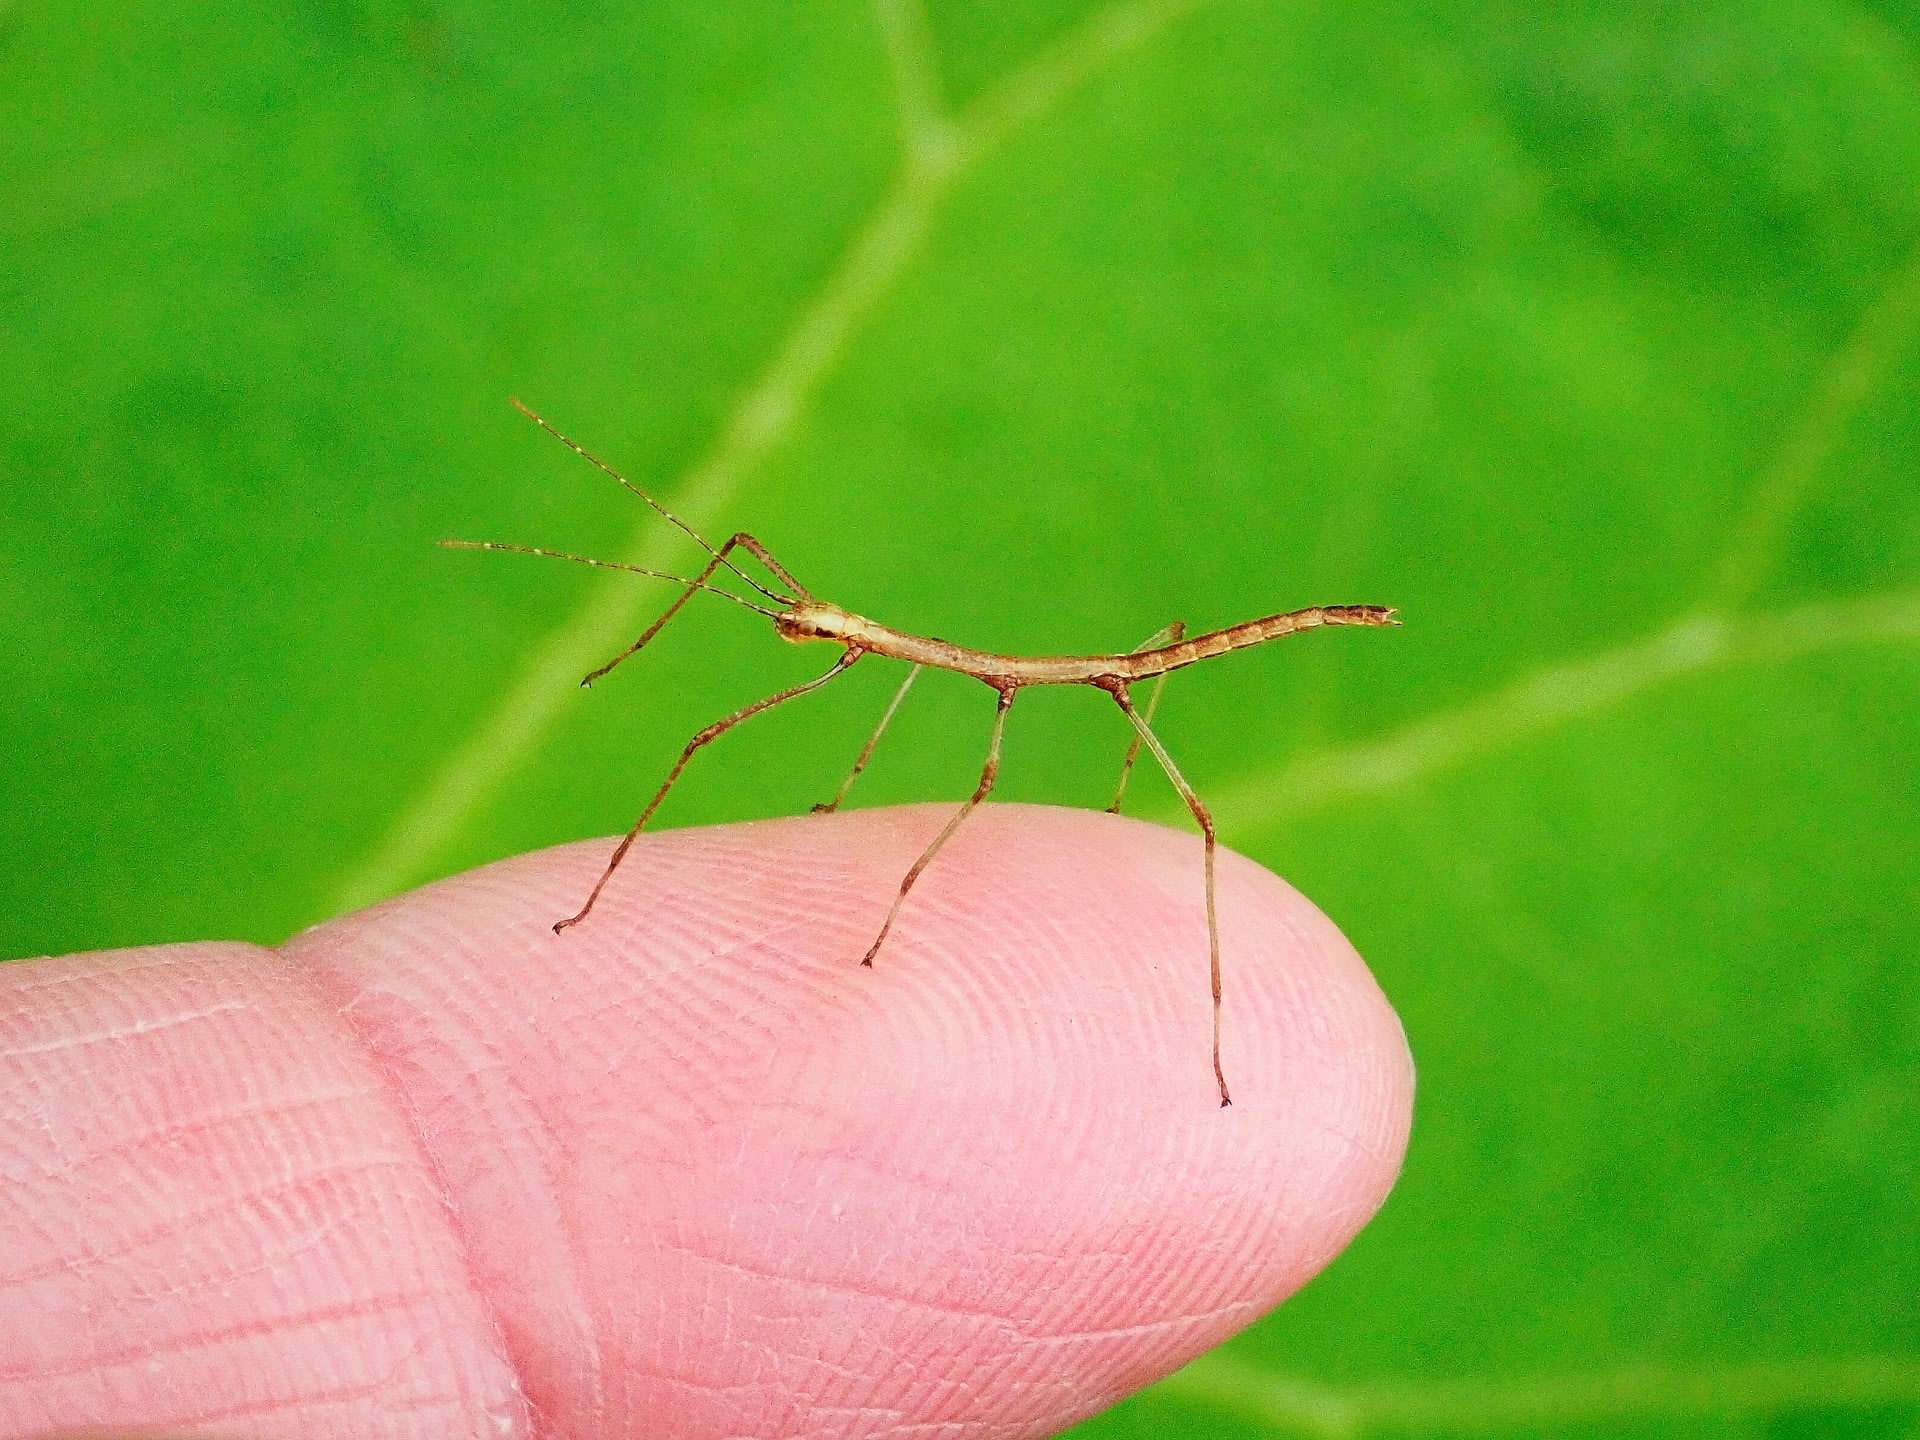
(705, 737)
(1172, 635)
(741, 540)
(1144, 732)
(866, 753)
(981, 791)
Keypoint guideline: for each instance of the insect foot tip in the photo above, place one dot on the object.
(1225, 1100)
(560, 925)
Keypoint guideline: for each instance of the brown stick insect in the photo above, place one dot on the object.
(800, 616)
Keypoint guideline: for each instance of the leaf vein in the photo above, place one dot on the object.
(1839, 393)
(924, 127)
(1563, 692)
(1452, 1406)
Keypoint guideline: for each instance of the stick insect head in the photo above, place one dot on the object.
(805, 620)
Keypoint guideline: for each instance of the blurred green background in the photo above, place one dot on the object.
(1589, 335)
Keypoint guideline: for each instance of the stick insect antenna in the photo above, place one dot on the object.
(608, 565)
(599, 464)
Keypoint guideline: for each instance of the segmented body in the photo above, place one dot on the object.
(815, 620)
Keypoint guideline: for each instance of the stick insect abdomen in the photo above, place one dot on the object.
(1147, 664)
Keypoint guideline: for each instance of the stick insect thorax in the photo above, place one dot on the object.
(799, 617)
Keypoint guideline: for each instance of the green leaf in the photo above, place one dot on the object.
(1589, 336)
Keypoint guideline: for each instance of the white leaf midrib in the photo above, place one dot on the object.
(1559, 694)
(1523, 1401)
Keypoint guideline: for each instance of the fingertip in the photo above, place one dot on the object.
(708, 1156)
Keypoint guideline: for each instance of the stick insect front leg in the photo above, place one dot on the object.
(1144, 732)
(705, 737)
(1171, 635)
(866, 754)
(741, 540)
(981, 791)
(765, 557)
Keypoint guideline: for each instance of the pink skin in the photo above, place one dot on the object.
(689, 1170)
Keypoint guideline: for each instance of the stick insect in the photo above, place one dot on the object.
(799, 616)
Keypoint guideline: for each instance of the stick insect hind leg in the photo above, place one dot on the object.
(705, 737)
(987, 776)
(1172, 635)
(1143, 732)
